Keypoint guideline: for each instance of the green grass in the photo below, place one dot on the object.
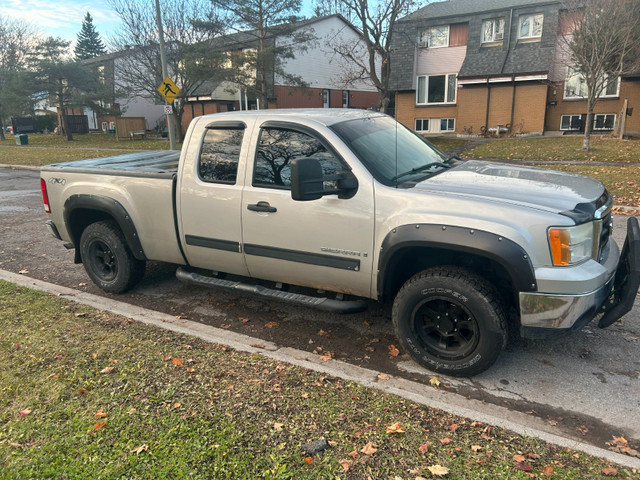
(87, 394)
(90, 140)
(559, 148)
(446, 143)
(46, 156)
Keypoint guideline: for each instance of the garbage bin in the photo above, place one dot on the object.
(22, 139)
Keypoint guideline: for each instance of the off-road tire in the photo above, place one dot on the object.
(107, 258)
(450, 320)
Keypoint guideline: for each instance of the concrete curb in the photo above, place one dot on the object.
(518, 422)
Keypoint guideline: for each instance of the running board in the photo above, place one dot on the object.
(321, 303)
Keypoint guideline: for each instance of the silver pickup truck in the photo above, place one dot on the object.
(352, 203)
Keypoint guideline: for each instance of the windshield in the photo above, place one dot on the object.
(389, 150)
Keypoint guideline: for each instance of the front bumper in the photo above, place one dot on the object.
(543, 314)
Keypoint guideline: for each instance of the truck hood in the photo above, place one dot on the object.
(549, 190)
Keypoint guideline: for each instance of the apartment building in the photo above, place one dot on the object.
(468, 66)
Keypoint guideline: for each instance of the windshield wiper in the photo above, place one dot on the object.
(421, 168)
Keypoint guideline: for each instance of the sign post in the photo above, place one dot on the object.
(163, 87)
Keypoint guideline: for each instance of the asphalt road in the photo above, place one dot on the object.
(586, 384)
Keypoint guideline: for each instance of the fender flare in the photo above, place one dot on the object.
(511, 256)
(111, 207)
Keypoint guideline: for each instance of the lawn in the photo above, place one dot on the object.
(87, 394)
(90, 140)
(603, 149)
(46, 156)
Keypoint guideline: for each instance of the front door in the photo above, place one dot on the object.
(325, 243)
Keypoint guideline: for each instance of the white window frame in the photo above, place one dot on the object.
(582, 86)
(605, 115)
(571, 116)
(532, 17)
(422, 122)
(346, 94)
(496, 34)
(427, 37)
(449, 121)
(446, 89)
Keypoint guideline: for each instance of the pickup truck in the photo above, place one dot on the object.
(353, 204)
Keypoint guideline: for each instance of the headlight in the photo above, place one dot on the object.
(571, 245)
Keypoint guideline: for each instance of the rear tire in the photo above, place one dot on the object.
(450, 320)
(107, 258)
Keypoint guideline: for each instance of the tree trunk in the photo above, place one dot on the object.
(65, 125)
(587, 130)
(2, 137)
(178, 112)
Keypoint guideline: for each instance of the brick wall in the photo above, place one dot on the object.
(296, 97)
(407, 111)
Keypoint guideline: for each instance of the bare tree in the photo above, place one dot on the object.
(16, 41)
(370, 61)
(190, 59)
(603, 44)
(269, 32)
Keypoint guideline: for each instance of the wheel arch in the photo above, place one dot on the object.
(410, 249)
(82, 210)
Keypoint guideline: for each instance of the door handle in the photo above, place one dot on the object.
(262, 207)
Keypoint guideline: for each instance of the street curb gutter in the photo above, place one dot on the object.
(453, 403)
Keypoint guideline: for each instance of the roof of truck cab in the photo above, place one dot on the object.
(325, 116)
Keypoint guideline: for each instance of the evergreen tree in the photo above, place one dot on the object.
(89, 44)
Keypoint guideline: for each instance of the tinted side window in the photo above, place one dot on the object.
(220, 154)
(278, 148)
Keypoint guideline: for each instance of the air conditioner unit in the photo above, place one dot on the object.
(498, 36)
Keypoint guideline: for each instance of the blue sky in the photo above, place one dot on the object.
(63, 18)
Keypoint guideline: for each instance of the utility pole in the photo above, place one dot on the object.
(165, 74)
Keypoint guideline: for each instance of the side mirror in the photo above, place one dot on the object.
(307, 181)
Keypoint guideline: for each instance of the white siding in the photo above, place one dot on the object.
(319, 66)
(432, 61)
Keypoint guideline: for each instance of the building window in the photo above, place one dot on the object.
(422, 125)
(571, 122)
(493, 30)
(530, 26)
(604, 121)
(436, 89)
(345, 98)
(575, 86)
(435, 37)
(447, 124)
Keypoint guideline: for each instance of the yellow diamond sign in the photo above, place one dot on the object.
(168, 90)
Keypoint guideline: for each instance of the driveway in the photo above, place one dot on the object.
(586, 385)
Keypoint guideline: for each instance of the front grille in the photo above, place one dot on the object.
(605, 235)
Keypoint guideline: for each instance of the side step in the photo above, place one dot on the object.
(321, 303)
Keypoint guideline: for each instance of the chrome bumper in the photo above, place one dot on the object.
(550, 311)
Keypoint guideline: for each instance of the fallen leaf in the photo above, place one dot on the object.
(22, 272)
(309, 460)
(304, 395)
(176, 361)
(476, 424)
(177, 405)
(101, 414)
(609, 472)
(132, 411)
(434, 382)
(54, 375)
(393, 351)
(383, 376)
(518, 458)
(453, 427)
(79, 315)
(278, 426)
(271, 324)
(445, 441)
(438, 470)
(140, 449)
(547, 471)
(424, 448)
(326, 357)
(533, 456)
(476, 448)
(346, 464)
(369, 449)
(354, 454)
(82, 391)
(191, 369)
(99, 425)
(395, 428)
(525, 467)
(107, 370)
(15, 445)
(25, 412)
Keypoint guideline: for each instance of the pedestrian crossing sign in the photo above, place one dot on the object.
(168, 90)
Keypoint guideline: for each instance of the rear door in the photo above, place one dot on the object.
(210, 195)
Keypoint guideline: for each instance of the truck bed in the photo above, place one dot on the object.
(151, 163)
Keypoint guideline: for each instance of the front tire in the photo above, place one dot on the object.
(450, 320)
(107, 258)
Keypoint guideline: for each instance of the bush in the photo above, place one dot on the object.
(42, 122)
